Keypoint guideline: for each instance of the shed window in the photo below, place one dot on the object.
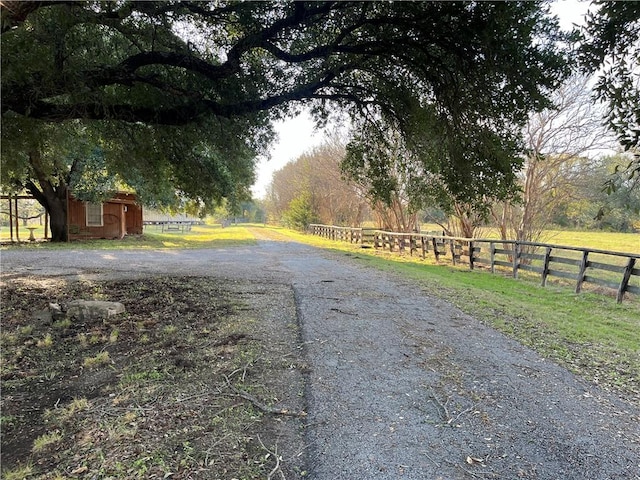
(94, 214)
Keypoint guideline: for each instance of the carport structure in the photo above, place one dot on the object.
(14, 224)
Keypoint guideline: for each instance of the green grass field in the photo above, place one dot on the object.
(621, 242)
(200, 236)
(614, 241)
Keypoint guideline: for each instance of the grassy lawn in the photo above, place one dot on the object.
(614, 241)
(588, 333)
(620, 242)
(200, 236)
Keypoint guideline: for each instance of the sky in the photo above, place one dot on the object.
(295, 137)
(298, 135)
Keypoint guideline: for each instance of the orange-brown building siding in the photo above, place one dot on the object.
(121, 216)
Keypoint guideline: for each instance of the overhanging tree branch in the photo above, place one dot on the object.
(459, 75)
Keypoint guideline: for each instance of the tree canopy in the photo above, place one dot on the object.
(173, 62)
(182, 93)
(610, 46)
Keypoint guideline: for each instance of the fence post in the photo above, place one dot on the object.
(17, 220)
(516, 258)
(583, 270)
(492, 252)
(625, 279)
(471, 255)
(545, 266)
(436, 252)
(453, 251)
(10, 219)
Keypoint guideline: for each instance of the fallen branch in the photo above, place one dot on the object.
(261, 406)
(453, 420)
(469, 472)
(442, 408)
(277, 468)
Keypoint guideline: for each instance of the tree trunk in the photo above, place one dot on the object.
(58, 220)
(53, 197)
(56, 207)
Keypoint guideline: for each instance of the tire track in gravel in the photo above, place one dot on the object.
(402, 385)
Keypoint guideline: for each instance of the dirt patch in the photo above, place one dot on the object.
(200, 378)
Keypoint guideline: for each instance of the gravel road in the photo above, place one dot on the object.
(402, 385)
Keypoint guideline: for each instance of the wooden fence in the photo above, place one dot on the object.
(613, 270)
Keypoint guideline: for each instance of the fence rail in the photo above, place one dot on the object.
(614, 270)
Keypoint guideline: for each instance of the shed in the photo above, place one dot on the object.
(119, 216)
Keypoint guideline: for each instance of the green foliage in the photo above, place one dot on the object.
(588, 206)
(420, 171)
(300, 212)
(59, 57)
(459, 137)
(247, 211)
(89, 178)
(69, 154)
(253, 212)
(182, 93)
(195, 165)
(610, 42)
(377, 160)
(610, 45)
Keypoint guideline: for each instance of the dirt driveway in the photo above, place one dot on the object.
(402, 385)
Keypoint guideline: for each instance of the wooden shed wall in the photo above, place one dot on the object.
(112, 218)
(134, 219)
